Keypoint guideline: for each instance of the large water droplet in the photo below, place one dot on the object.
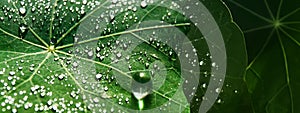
(141, 85)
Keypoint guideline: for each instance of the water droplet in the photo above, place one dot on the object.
(12, 73)
(53, 41)
(90, 54)
(140, 94)
(147, 65)
(98, 76)
(61, 76)
(144, 4)
(31, 69)
(119, 55)
(105, 88)
(23, 31)
(235, 91)
(213, 64)
(84, 2)
(129, 67)
(204, 85)
(127, 99)
(201, 63)
(141, 85)
(114, 1)
(218, 90)
(219, 101)
(22, 11)
(98, 49)
(75, 64)
(96, 100)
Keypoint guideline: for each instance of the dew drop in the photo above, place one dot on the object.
(23, 30)
(235, 91)
(213, 64)
(22, 11)
(98, 76)
(14, 110)
(61, 76)
(96, 100)
(219, 101)
(201, 63)
(144, 4)
(142, 85)
(90, 54)
(84, 2)
(114, 1)
(139, 94)
(12, 73)
(119, 55)
(218, 90)
(31, 69)
(53, 41)
(105, 88)
(204, 85)
(75, 64)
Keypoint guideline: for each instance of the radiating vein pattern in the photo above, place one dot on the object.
(282, 39)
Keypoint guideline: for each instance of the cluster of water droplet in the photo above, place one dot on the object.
(93, 86)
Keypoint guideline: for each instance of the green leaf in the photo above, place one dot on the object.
(233, 95)
(272, 34)
(84, 56)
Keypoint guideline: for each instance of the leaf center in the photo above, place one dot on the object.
(51, 48)
(277, 23)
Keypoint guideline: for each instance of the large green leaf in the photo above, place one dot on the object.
(82, 56)
(272, 31)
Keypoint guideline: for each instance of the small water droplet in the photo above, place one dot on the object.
(23, 31)
(213, 64)
(204, 85)
(119, 55)
(114, 1)
(61, 76)
(219, 101)
(105, 88)
(90, 54)
(218, 90)
(98, 76)
(22, 11)
(75, 64)
(84, 2)
(96, 100)
(53, 41)
(235, 91)
(144, 4)
(12, 73)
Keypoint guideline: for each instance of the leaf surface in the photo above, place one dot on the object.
(82, 56)
(272, 34)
